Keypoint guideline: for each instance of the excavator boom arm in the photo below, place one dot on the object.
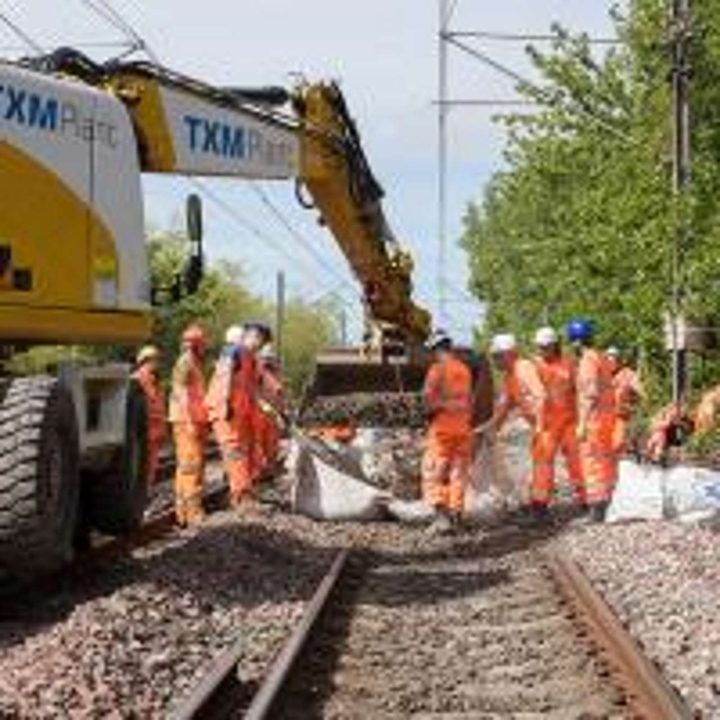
(188, 128)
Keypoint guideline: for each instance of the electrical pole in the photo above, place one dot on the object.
(279, 315)
(343, 327)
(681, 180)
(443, 108)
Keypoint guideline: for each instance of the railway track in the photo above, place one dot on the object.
(515, 630)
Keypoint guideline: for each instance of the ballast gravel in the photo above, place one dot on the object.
(130, 639)
(663, 581)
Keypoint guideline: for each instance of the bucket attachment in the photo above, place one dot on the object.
(351, 387)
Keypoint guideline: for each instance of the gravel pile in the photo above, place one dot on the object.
(391, 459)
(400, 410)
(663, 581)
(129, 640)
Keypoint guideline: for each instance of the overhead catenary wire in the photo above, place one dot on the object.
(108, 13)
(105, 10)
(20, 33)
(523, 81)
(525, 37)
(99, 45)
(299, 237)
(241, 221)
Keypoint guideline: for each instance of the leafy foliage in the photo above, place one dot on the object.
(582, 219)
(223, 300)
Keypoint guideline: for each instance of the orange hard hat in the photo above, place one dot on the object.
(194, 336)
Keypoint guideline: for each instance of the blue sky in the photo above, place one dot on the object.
(384, 54)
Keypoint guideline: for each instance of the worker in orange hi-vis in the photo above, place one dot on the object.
(596, 418)
(146, 375)
(448, 450)
(232, 408)
(558, 374)
(522, 391)
(272, 409)
(628, 394)
(189, 421)
(705, 415)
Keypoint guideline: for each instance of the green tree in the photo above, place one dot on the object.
(582, 219)
(223, 300)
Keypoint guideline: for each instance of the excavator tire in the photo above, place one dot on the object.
(39, 483)
(114, 500)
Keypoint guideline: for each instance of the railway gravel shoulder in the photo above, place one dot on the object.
(662, 579)
(130, 637)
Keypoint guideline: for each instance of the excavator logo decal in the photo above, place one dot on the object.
(233, 141)
(35, 111)
(19, 106)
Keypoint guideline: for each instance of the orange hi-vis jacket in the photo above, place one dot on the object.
(523, 390)
(448, 396)
(706, 411)
(628, 391)
(187, 397)
(559, 377)
(596, 390)
(148, 381)
(233, 387)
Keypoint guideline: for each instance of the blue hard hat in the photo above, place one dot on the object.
(579, 329)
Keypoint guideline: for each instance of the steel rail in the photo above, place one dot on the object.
(205, 699)
(650, 695)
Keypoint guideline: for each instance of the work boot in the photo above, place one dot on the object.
(442, 524)
(195, 515)
(540, 514)
(245, 504)
(456, 520)
(598, 511)
(536, 515)
(180, 514)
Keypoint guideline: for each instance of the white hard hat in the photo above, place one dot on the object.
(504, 342)
(613, 351)
(149, 352)
(546, 336)
(234, 335)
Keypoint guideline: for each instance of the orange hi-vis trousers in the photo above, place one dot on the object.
(236, 447)
(446, 469)
(598, 457)
(620, 434)
(268, 440)
(153, 459)
(190, 456)
(559, 436)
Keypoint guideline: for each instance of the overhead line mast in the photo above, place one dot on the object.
(681, 31)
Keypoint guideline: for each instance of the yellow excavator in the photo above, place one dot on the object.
(75, 138)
